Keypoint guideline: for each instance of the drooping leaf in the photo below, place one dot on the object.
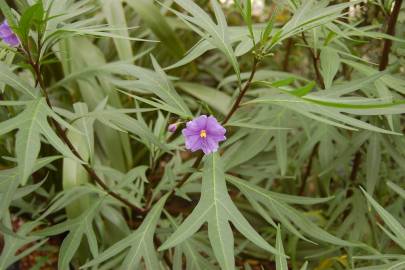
(281, 262)
(217, 209)
(32, 123)
(287, 214)
(139, 244)
(215, 33)
(397, 231)
(78, 228)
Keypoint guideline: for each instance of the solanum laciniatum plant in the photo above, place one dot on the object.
(181, 134)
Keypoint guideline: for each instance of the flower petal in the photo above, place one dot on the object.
(12, 40)
(190, 132)
(214, 128)
(209, 145)
(214, 134)
(192, 142)
(5, 30)
(201, 121)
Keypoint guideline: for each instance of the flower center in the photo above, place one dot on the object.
(203, 133)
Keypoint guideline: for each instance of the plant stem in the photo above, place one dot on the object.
(392, 21)
(242, 92)
(315, 59)
(287, 54)
(308, 169)
(196, 164)
(61, 133)
(356, 166)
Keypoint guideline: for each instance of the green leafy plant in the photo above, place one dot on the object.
(245, 134)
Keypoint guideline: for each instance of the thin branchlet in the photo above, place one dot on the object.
(382, 66)
(62, 134)
(315, 59)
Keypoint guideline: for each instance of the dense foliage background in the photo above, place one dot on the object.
(311, 175)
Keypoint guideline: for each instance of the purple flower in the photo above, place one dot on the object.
(172, 127)
(204, 133)
(8, 36)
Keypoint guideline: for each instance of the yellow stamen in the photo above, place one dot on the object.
(203, 134)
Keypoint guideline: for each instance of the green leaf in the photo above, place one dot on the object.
(77, 227)
(32, 122)
(281, 146)
(74, 173)
(285, 213)
(217, 209)
(8, 186)
(115, 15)
(302, 91)
(311, 14)
(394, 225)
(9, 183)
(245, 150)
(281, 261)
(159, 25)
(13, 244)
(31, 17)
(373, 161)
(166, 90)
(304, 266)
(6, 10)
(333, 111)
(269, 27)
(138, 244)
(213, 97)
(203, 25)
(397, 189)
(330, 63)
(28, 142)
(8, 77)
(192, 250)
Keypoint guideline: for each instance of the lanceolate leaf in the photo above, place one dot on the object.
(9, 182)
(158, 24)
(217, 209)
(215, 34)
(285, 212)
(32, 123)
(77, 227)
(13, 244)
(8, 77)
(330, 63)
(138, 244)
(191, 251)
(213, 97)
(281, 262)
(398, 231)
(115, 16)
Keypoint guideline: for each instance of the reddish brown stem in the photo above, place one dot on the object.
(308, 169)
(196, 164)
(382, 66)
(392, 21)
(315, 59)
(356, 166)
(242, 92)
(287, 54)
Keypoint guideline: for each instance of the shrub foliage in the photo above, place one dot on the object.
(95, 172)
